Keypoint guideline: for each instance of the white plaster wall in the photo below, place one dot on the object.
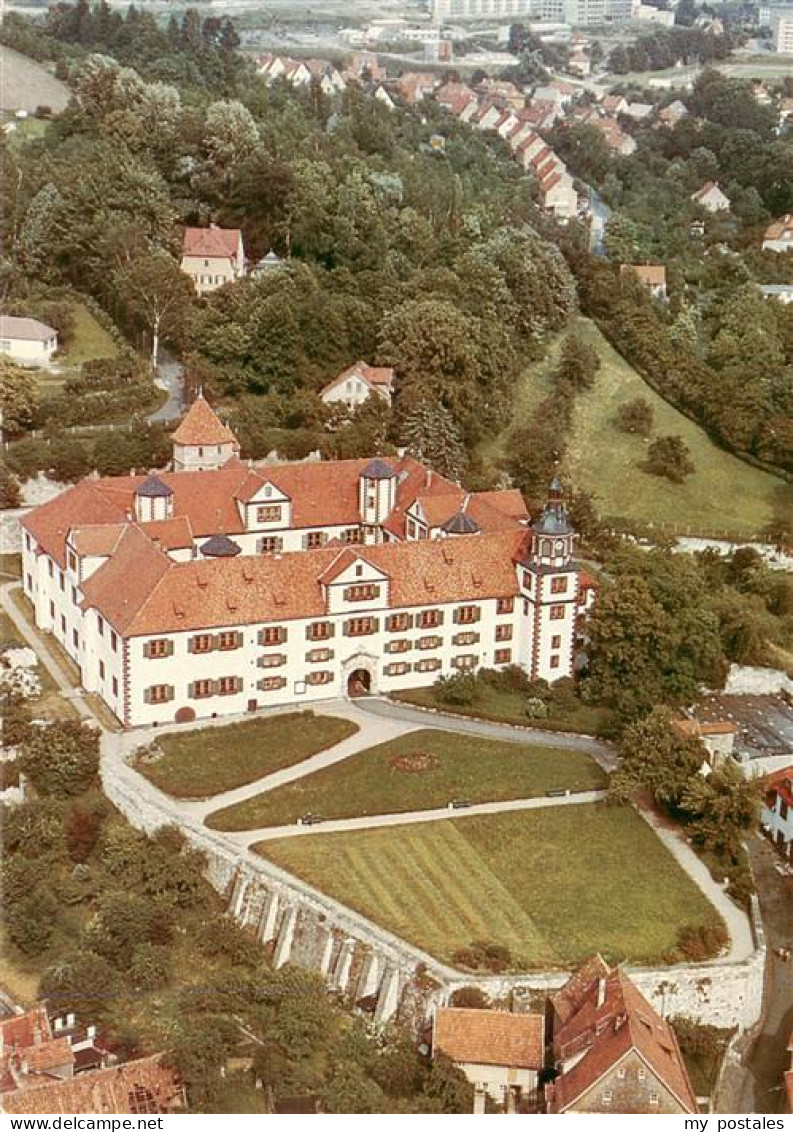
(29, 352)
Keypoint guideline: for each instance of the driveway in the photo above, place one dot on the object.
(755, 1083)
(170, 372)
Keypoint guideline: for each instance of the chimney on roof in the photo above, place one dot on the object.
(428, 478)
(601, 993)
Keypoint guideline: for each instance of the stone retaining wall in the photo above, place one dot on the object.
(296, 923)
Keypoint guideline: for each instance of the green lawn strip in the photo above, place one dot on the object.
(724, 495)
(89, 340)
(504, 706)
(197, 764)
(440, 767)
(551, 885)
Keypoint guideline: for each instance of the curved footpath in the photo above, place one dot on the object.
(380, 720)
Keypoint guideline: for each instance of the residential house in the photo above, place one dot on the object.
(458, 99)
(267, 263)
(416, 86)
(672, 114)
(782, 292)
(212, 257)
(560, 93)
(364, 67)
(711, 198)
(382, 95)
(638, 111)
(777, 814)
(27, 341)
(147, 1085)
(614, 104)
(652, 275)
(301, 72)
(358, 383)
(716, 736)
(619, 142)
(613, 1052)
(779, 235)
(34, 1053)
(330, 80)
(504, 93)
(579, 63)
(501, 1054)
(195, 594)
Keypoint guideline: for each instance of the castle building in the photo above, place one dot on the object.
(220, 588)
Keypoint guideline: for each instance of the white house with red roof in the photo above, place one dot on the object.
(776, 816)
(213, 257)
(197, 593)
(358, 383)
(779, 235)
(500, 1053)
(27, 341)
(711, 198)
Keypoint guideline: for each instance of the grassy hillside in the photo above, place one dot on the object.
(724, 496)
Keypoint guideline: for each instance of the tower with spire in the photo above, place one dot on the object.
(202, 442)
(549, 579)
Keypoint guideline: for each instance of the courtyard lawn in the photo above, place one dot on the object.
(210, 760)
(553, 886)
(503, 705)
(419, 771)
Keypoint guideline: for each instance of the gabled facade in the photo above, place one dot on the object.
(212, 257)
(501, 1054)
(612, 1051)
(776, 817)
(779, 235)
(650, 275)
(711, 198)
(358, 383)
(202, 593)
(27, 341)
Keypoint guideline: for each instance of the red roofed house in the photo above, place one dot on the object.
(197, 593)
(717, 737)
(31, 1057)
(501, 1054)
(143, 1086)
(213, 257)
(776, 817)
(652, 275)
(200, 442)
(612, 1050)
(356, 384)
(779, 235)
(711, 198)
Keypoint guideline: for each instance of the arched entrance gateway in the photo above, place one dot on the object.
(359, 683)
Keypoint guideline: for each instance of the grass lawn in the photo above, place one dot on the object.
(10, 566)
(89, 340)
(551, 885)
(724, 495)
(420, 771)
(506, 706)
(197, 764)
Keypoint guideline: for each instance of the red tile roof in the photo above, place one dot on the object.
(780, 229)
(28, 1029)
(609, 1019)
(144, 1086)
(490, 1037)
(782, 782)
(651, 274)
(376, 376)
(48, 1055)
(160, 595)
(202, 425)
(211, 242)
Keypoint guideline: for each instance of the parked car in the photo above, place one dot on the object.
(310, 819)
(459, 804)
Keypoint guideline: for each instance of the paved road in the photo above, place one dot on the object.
(411, 817)
(170, 372)
(755, 1083)
(602, 752)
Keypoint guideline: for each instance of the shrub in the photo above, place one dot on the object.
(484, 955)
(536, 708)
(635, 416)
(222, 936)
(151, 966)
(471, 998)
(62, 758)
(702, 942)
(82, 831)
(459, 689)
(669, 457)
(10, 491)
(31, 921)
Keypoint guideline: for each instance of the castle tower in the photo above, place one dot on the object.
(377, 486)
(202, 441)
(549, 583)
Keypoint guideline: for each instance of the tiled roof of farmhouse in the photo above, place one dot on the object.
(211, 242)
(490, 1037)
(610, 1018)
(202, 425)
(143, 1086)
(373, 375)
(780, 229)
(161, 595)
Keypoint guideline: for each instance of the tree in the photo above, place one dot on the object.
(578, 364)
(199, 1054)
(82, 830)
(18, 399)
(431, 435)
(723, 808)
(10, 491)
(31, 921)
(654, 757)
(83, 982)
(669, 456)
(158, 295)
(61, 758)
(230, 137)
(447, 1089)
(635, 416)
(350, 1090)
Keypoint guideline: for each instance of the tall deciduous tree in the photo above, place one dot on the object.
(158, 295)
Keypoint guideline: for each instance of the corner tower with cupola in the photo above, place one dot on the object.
(548, 578)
